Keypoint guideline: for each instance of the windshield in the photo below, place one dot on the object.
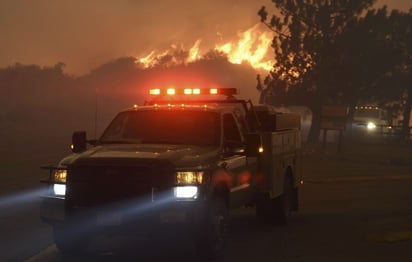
(164, 127)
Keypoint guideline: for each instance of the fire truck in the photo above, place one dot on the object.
(371, 119)
(176, 165)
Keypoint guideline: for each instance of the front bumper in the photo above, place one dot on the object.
(126, 217)
(52, 209)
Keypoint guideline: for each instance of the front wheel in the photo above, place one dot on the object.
(211, 237)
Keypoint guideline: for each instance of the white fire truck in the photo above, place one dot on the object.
(178, 163)
(371, 119)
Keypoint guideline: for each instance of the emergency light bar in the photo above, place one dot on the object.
(193, 91)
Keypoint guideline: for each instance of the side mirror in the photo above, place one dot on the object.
(234, 147)
(79, 141)
(253, 144)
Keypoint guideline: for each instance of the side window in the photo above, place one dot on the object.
(230, 128)
(116, 128)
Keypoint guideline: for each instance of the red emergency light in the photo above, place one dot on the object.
(154, 91)
(213, 91)
(191, 91)
(171, 91)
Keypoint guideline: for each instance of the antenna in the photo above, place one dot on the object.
(95, 115)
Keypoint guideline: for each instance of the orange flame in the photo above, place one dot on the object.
(147, 60)
(194, 52)
(252, 46)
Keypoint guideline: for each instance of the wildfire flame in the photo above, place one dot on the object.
(252, 46)
(194, 52)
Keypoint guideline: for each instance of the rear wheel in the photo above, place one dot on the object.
(264, 209)
(211, 237)
(278, 210)
(283, 205)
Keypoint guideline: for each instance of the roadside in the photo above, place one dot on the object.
(357, 161)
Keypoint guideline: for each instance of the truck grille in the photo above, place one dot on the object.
(94, 184)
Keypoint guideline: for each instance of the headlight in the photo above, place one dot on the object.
(371, 125)
(189, 178)
(186, 192)
(59, 189)
(60, 175)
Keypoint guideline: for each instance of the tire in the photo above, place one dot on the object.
(282, 206)
(264, 210)
(211, 238)
(277, 211)
(69, 241)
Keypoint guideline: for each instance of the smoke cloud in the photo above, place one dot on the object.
(85, 34)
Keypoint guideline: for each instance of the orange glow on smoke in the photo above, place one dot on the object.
(253, 46)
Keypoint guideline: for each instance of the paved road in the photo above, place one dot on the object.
(22, 234)
(349, 220)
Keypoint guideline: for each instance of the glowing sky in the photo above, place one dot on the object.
(84, 34)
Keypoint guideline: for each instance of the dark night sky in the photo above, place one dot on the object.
(85, 34)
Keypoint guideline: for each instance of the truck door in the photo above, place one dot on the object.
(235, 162)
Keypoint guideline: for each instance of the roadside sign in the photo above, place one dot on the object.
(332, 124)
(333, 117)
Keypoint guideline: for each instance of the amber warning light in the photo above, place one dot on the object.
(193, 91)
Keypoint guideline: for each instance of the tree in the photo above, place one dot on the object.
(402, 39)
(378, 67)
(307, 51)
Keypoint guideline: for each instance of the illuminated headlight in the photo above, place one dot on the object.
(189, 178)
(60, 175)
(371, 125)
(59, 189)
(186, 192)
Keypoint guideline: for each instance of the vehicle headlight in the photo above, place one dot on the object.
(371, 125)
(189, 177)
(59, 175)
(59, 189)
(186, 192)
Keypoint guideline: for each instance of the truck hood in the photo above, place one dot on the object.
(178, 155)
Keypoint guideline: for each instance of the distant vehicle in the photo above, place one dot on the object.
(371, 119)
(176, 165)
